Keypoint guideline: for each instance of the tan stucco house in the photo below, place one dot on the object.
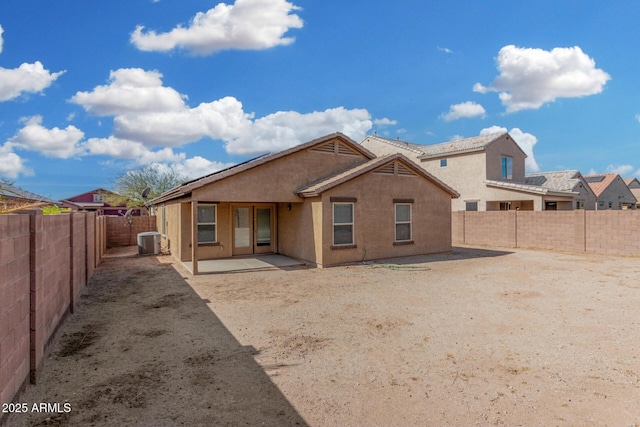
(329, 201)
(611, 192)
(487, 170)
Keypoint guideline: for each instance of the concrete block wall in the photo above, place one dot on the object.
(613, 232)
(122, 233)
(50, 280)
(605, 232)
(45, 262)
(498, 228)
(14, 304)
(556, 230)
(457, 226)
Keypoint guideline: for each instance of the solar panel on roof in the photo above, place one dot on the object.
(594, 178)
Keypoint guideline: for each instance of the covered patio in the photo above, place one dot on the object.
(245, 263)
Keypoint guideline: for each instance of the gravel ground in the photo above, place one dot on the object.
(477, 337)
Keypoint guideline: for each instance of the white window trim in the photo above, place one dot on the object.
(445, 161)
(214, 223)
(352, 223)
(410, 222)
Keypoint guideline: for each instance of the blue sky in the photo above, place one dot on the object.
(91, 89)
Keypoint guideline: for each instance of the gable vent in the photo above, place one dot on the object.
(346, 151)
(325, 148)
(387, 169)
(402, 170)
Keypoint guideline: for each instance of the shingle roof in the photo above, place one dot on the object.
(10, 191)
(566, 180)
(188, 187)
(409, 146)
(325, 184)
(466, 145)
(599, 186)
(528, 188)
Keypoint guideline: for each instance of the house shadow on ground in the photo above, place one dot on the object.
(142, 348)
(457, 253)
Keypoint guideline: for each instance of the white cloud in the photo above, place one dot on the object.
(525, 141)
(385, 122)
(197, 166)
(622, 170)
(638, 117)
(26, 78)
(12, 165)
(142, 117)
(284, 129)
(56, 142)
(245, 25)
(464, 110)
(130, 91)
(530, 77)
(445, 50)
(222, 119)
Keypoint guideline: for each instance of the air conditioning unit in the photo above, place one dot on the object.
(149, 243)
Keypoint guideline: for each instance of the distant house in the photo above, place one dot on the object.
(634, 186)
(570, 181)
(488, 171)
(12, 197)
(611, 192)
(94, 201)
(328, 201)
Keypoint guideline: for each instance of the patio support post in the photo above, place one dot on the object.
(194, 236)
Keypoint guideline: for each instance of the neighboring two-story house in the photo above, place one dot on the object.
(489, 173)
(94, 201)
(611, 192)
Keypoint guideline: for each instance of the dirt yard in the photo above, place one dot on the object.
(478, 337)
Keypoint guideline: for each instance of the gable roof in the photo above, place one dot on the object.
(528, 188)
(630, 181)
(566, 180)
(187, 187)
(97, 190)
(10, 191)
(599, 185)
(408, 146)
(325, 184)
(466, 145)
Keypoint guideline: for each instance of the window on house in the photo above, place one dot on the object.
(505, 206)
(443, 163)
(580, 204)
(403, 222)
(207, 232)
(507, 168)
(343, 224)
(471, 206)
(98, 197)
(610, 205)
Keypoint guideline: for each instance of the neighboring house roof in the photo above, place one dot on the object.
(632, 182)
(528, 188)
(325, 184)
(188, 187)
(463, 146)
(409, 146)
(567, 180)
(600, 182)
(459, 146)
(9, 191)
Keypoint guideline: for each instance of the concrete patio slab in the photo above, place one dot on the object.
(248, 263)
